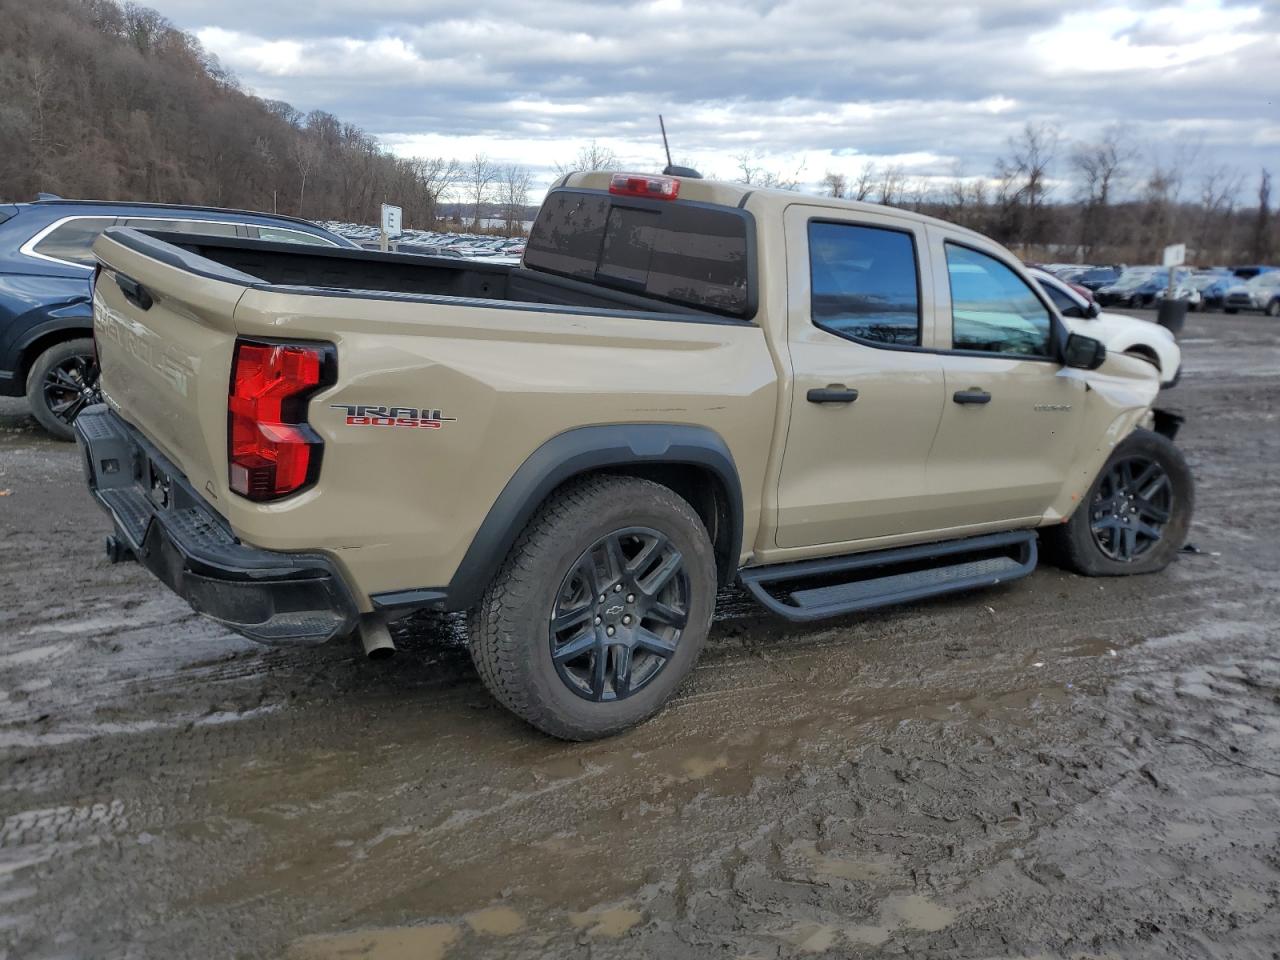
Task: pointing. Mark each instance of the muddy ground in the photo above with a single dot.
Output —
(1059, 767)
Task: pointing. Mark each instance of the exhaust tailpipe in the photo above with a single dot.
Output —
(375, 637)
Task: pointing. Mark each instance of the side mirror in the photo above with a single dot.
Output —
(1084, 353)
(1093, 310)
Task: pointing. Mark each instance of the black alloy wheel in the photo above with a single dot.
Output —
(1133, 503)
(69, 386)
(619, 614)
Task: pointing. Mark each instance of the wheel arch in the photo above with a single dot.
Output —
(693, 461)
(1146, 353)
(43, 337)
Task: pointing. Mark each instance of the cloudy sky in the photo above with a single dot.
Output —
(935, 86)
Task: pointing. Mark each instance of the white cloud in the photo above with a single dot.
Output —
(810, 85)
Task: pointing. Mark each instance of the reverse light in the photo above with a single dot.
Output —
(271, 451)
(644, 185)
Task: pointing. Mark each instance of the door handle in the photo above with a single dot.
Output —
(134, 292)
(972, 395)
(832, 393)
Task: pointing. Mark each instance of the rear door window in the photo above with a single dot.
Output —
(696, 255)
(864, 283)
(207, 228)
(71, 241)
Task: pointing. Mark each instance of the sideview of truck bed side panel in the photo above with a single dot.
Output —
(405, 501)
(437, 402)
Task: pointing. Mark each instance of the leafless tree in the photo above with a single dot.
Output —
(1219, 187)
(593, 156)
(305, 153)
(514, 191)
(862, 185)
(1022, 186)
(834, 184)
(1261, 243)
(434, 178)
(890, 185)
(1100, 168)
(480, 176)
(753, 172)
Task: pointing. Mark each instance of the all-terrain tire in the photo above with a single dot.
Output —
(1073, 544)
(72, 354)
(510, 628)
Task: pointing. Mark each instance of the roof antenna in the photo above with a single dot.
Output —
(671, 170)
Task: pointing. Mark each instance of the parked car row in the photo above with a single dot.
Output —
(436, 243)
(1230, 289)
(46, 265)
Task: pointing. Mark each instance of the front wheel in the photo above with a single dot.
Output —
(1136, 515)
(62, 382)
(600, 609)
(1273, 308)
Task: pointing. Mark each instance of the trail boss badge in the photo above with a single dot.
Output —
(365, 415)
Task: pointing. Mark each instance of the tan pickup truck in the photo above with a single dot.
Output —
(684, 384)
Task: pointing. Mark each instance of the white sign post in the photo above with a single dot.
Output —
(390, 224)
(1175, 255)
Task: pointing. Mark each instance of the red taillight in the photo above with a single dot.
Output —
(271, 450)
(644, 185)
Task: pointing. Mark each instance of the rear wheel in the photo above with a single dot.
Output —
(61, 383)
(600, 610)
(1136, 515)
(1273, 308)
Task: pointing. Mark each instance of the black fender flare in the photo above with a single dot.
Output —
(564, 456)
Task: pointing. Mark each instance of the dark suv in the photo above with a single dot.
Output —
(46, 319)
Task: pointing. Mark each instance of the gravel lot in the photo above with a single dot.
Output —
(1059, 767)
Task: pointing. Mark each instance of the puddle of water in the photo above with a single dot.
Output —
(606, 923)
(394, 943)
(861, 871)
(917, 912)
(495, 921)
(902, 910)
(696, 768)
(869, 935)
(813, 937)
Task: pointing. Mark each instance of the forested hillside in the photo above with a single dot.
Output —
(107, 100)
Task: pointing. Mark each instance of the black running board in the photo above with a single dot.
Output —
(994, 558)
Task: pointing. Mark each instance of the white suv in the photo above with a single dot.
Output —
(1120, 332)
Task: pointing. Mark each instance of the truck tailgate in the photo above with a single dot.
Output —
(163, 322)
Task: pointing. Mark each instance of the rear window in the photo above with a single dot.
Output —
(692, 254)
(71, 241)
(284, 235)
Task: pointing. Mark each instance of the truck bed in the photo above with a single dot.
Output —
(494, 358)
(334, 269)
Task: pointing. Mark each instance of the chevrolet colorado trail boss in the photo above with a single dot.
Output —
(684, 383)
